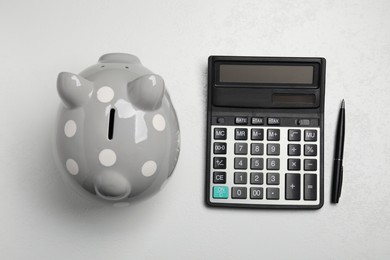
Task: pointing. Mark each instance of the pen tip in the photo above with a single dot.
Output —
(343, 104)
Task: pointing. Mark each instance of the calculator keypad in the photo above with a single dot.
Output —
(264, 164)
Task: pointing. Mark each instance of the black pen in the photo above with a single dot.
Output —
(338, 156)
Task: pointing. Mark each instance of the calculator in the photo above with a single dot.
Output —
(265, 132)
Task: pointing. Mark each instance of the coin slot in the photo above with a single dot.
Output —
(111, 124)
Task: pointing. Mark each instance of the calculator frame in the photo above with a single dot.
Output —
(268, 112)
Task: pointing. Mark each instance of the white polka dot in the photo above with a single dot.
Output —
(70, 128)
(72, 166)
(158, 122)
(105, 94)
(107, 157)
(149, 168)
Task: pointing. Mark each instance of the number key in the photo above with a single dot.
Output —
(240, 148)
(273, 179)
(240, 178)
(273, 164)
(256, 178)
(240, 163)
(257, 149)
(239, 192)
(273, 149)
(256, 193)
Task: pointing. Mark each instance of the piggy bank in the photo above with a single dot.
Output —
(117, 135)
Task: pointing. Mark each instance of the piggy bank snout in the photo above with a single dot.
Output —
(112, 186)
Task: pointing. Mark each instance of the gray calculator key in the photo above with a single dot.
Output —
(293, 186)
(240, 163)
(273, 134)
(257, 134)
(256, 193)
(257, 178)
(272, 193)
(257, 149)
(294, 149)
(220, 133)
(257, 121)
(310, 150)
(310, 164)
(239, 192)
(257, 163)
(273, 121)
(219, 162)
(273, 149)
(219, 148)
(219, 177)
(240, 148)
(310, 186)
(311, 135)
(240, 120)
(240, 178)
(294, 135)
(241, 134)
(273, 179)
(294, 164)
(273, 164)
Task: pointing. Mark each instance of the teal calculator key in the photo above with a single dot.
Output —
(220, 192)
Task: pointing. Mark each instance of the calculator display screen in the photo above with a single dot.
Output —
(265, 74)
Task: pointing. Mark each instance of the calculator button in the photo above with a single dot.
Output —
(273, 164)
(256, 193)
(239, 192)
(257, 134)
(293, 186)
(310, 186)
(240, 178)
(240, 163)
(219, 162)
(294, 164)
(272, 193)
(294, 135)
(219, 148)
(220, 133)
(273, 134)
(273, 179)
(219, 177)
(273, 121)
(241, 134)
(273, 149)
(257, 121)
(240, 148)
(241, 120)
(256, 178)
(257, 163)
(310, 149)
(257, 149)
(294, 149)
(310, 164)
(311, 135)
(220, 192)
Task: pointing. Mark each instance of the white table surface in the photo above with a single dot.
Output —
(40, 218)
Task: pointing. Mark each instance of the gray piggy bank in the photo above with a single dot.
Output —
(117, 134)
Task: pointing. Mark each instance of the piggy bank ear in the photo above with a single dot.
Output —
(146, 92)
(73, 89)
